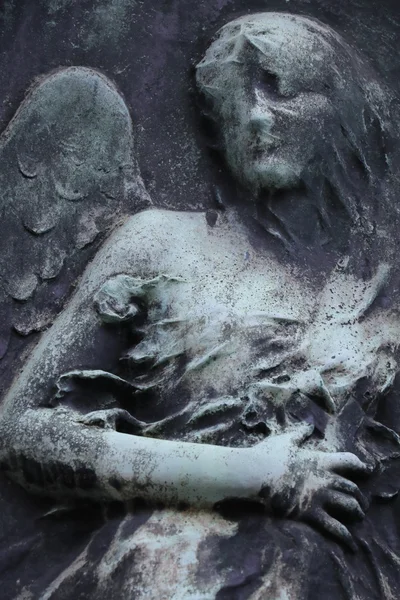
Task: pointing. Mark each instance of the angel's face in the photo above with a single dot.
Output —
(270, 139)
(271, 104)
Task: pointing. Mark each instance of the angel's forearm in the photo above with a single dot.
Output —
(47, 451)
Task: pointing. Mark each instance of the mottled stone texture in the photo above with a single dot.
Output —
(84, 164)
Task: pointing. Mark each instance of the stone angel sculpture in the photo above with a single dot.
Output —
(208, 357)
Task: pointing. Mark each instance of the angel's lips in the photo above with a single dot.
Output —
(263, 148)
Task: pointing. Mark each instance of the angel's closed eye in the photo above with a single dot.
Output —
(269, 84)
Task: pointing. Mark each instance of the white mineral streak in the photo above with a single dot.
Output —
(274, 588)
(166, 553)
(51, 592)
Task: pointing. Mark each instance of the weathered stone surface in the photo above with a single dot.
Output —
(180, 296)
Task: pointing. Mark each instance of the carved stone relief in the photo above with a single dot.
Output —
(225, 377)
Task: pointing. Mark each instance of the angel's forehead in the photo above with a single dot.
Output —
(290, 45)
(279, 25)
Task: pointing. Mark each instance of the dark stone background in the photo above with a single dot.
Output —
(148, 48)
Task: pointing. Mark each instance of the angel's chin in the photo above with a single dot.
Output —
(273, 173)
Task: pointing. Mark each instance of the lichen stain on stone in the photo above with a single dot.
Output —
(68, 173)
(107, 20)
(165, 556)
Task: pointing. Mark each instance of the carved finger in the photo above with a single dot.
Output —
(324, 521)
(341, 484)
(345, 462)
(114, 418)
(344, 503)
(301, 433)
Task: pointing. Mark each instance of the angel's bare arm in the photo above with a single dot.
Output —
(53, 450)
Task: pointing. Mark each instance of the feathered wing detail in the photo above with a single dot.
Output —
(67, 173)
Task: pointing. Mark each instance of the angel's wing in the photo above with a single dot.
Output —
(67, 173)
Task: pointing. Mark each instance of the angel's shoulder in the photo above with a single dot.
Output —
(163, 222)
(152, 229)
(137, 245)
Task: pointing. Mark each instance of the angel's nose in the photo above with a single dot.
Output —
(261, 118)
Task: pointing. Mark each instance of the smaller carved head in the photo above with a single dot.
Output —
(290, 99)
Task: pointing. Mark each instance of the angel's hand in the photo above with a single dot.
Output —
(315, 486)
